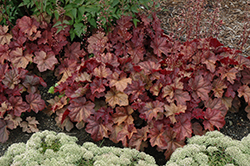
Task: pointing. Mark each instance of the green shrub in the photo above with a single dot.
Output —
(9, 11)
(84, 15)
(49, 148)
(212, 149)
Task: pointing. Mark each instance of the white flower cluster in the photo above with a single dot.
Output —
(69, 153)
(195, 152)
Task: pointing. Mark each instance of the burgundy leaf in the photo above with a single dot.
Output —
(35, 102)
(19, 106)
(45, 60)
(213, 117)
(74, 51)
(4, 133)
(80, 109)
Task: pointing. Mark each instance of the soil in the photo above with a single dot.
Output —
(237, 124)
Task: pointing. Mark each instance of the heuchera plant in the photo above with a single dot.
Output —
(18, 94)
(141, 85)
(29, 41)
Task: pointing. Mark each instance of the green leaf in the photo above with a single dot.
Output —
(51, 90)
(72, 34)
(66, 22)
(92, 22)
(56, 14)
(82, 10)
(115, 2)
(80, 29)
(73, 12)
(57, 23)
(135, 21)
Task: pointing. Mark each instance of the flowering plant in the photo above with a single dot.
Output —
(50, 148)
(213, 148)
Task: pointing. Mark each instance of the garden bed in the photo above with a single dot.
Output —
(237, 124)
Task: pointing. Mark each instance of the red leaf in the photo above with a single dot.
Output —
(29, 126)
(80, 92)
(114, 97)
(160, 46)
(96, 128)
(126, 133)
(74, 51)
(45, 60)
(123, 115)
(172, 110)
(149, 66)
(4, 36)
(5, 106)
(32, 82)
(3, 70)
(4, 133)
(218, 87)
(244, 90)
(65, 114)
(120, 81)
(152, 110)
(201, 87)
(172, 143)
(136, 53)
(183, 127)
(57, 103)
(102, 72)
(209, 59)
(214, 43)
(108, 58)
(137, 138)
(18, 105)
(213, 117)
(198, 129)
(80, 109)
(97, 43)
(4, 53)
(124, 22)
(67, 67)
(157, 136)
(229, 74)
(136, 88)
(12, 78)
(98, 85)
(27, 25)
(66, 123)
(35, 102)
(20, 59)
(217, 104)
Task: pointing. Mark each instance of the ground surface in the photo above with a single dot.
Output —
(237, 124)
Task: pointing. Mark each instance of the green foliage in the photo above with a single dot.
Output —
(55, 146)
(83, 15)
(211, 149)
(9, 11)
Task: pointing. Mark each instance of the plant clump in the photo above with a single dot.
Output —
(51, 148)
(213, 148)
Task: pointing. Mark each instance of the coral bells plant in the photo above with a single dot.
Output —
(18, 94)
(143, 87)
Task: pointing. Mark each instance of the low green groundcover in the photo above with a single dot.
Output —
(48, 148)
(212, 149)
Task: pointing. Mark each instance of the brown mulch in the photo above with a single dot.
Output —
(234, 14)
